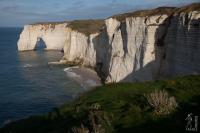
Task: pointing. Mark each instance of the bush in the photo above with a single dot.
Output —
(96, 121)
(161, 102)
(81, 129)
(87, 26)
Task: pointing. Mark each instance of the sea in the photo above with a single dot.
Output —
(28, 84)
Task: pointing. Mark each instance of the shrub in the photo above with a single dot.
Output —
(161, 102)
(97, 121)
(81, 129)
(87, 26)
(95, 106)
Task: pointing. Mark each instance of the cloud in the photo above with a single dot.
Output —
(79, 3)
(9, 8)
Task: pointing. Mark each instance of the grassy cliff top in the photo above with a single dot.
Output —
(158, 11)
(188, 8)
(92, 26)
(144, 13)
(120, 108)
(86, 26)
(49, 23)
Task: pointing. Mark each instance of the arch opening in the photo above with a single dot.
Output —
(40, 45)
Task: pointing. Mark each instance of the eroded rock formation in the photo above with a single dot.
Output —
(54, 36)
(137, 46)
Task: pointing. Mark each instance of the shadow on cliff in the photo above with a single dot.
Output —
(165, 64)
(151, 70)
(103, 54)
(104, 50)
(40, 45)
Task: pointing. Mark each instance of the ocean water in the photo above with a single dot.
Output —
(28, 85)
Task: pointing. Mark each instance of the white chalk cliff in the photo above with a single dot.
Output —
(137, 48)
(52, 35)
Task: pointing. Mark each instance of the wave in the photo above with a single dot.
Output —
(91, 82)
(70, 68)
(73, 75)
(84, 77)
(70, 73)
(27, 65)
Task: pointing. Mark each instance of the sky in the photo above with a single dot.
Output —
(16, 13)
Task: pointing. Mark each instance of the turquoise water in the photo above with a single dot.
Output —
(28, 85)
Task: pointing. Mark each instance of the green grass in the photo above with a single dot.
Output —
(158, 11)
(144, 13)
(50, 23)
(124, 105)
(189, 8)
(87, 26)
(91, 26)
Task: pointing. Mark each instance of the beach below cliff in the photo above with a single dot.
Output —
(28, 85)
(86, 77)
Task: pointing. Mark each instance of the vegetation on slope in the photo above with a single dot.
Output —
(49, 23)
(158, 11)
(144, 13)
(189, 8)
(84, 26)
(87, 26)
(119, 108)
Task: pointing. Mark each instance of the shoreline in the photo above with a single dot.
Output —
(86, 77)
(106, 103)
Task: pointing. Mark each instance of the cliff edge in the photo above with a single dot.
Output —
(138, 46)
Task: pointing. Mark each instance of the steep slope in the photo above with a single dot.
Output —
(122, 109)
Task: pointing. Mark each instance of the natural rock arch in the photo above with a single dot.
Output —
(54, 38)
(40, 44)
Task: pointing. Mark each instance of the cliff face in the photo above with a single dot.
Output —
(182, 45)
(52, 35)
(133, 46)
(141, 46)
